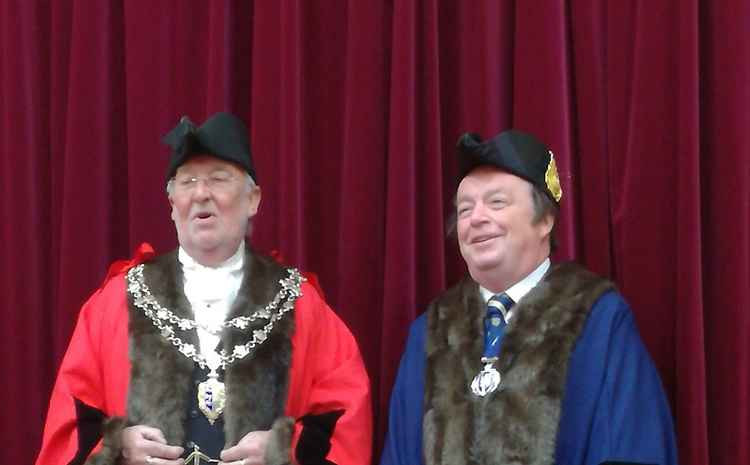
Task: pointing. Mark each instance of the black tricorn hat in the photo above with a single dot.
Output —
(516, 152)
(223, 136)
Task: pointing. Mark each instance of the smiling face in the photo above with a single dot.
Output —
(497, 235)
(211, 206)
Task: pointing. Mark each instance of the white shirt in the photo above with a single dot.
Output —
(211, 292)
(521, 288)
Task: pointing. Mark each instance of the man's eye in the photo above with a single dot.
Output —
(186, 181)
(220, 178)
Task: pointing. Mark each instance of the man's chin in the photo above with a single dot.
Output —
(487, 267)
(485, 261)
(205, 243)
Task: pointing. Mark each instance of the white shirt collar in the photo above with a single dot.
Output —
(522, 287)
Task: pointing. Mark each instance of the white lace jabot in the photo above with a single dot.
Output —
(211, 292)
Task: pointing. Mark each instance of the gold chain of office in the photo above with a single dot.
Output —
(168, 323)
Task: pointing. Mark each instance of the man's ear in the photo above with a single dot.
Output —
(173, 210)
(255, 196)
(546, 224)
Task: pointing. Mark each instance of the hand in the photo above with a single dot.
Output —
(251, 450)
(143, 445)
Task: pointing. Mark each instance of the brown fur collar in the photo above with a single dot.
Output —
(518, 423)
(256, 385)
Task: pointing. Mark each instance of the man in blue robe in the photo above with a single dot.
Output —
(523, 362)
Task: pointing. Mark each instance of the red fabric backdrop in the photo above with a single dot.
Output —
(354, 109)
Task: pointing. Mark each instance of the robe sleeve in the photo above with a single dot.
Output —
(329, 391)
(403, 444)
(615, 408)
(78, 407)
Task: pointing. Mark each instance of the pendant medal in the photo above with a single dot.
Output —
(486, 381)
(211, 397)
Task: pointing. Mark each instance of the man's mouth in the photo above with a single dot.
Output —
(483, 238)
(203, 215)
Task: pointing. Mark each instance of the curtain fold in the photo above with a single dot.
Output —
(725, 226)
(354, 109)
(686, 377)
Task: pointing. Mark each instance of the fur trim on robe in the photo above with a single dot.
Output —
(518, 423)
(256, 386)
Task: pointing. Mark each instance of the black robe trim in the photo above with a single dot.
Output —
(89, 421)
(315, 439)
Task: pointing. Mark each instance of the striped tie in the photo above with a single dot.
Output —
(498, 307)
(494, 323)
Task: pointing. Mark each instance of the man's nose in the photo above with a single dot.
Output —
(201, 190)
(478, 214)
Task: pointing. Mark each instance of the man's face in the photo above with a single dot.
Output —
(211, 214)
(496, 234)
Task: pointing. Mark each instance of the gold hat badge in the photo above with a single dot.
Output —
(552, 179)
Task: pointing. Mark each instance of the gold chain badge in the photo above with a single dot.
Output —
(552, 179)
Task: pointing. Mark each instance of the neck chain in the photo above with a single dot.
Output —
(211, 392)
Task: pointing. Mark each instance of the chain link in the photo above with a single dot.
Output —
(166, 321)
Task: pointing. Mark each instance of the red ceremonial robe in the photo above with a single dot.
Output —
(308, 373)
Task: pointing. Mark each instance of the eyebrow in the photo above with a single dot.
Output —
(498, 190)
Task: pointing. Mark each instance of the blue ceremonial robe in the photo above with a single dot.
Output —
(613, 409)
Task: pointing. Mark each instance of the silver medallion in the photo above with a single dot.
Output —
(486, 381)
(211, 398)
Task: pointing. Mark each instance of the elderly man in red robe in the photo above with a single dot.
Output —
(211, 353)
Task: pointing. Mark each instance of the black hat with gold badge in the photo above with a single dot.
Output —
(514, 151)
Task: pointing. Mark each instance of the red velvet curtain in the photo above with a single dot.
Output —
(354, 109)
